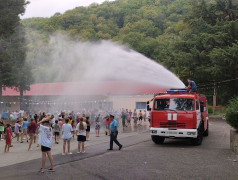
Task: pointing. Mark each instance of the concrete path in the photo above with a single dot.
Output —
(19, 152)
(139, 159)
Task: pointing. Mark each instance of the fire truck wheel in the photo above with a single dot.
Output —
(158, 139)
(197, 141)
(206, 132)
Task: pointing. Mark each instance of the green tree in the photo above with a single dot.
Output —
(9, 21)
(208, 49)
(21, 71)
(196, 39)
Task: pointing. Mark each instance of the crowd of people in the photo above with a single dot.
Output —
(137, 117)
(27, 127)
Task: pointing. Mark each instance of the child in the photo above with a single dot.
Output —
(31, 130)
(108, 121)
(88, 127)
(128, 118)
(60, 123)
(144, 115)
(57, 132)
(67, 135)
(97, 126)
(2, 129)
(8, 138)
(140, 118)
(24, 130)
(45, 140)
(135, 117)
(17, 129)
(12, 131)
(74, 128)
(81, 132)
(123, 118)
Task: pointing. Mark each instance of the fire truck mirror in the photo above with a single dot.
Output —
(148, 108)
(201, 106)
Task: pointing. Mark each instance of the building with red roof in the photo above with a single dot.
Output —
(113, 94)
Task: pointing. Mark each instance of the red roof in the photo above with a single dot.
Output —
(88, 88)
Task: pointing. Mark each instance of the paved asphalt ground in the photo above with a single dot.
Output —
(140, 158)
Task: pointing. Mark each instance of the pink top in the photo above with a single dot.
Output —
(60, 123)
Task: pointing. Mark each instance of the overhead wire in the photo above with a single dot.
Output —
(217, 82)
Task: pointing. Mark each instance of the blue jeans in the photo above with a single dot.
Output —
(193, 90)
(114, 138)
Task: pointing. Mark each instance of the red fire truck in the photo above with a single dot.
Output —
(179, 114)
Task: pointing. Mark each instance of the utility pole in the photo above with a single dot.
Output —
(214, 98)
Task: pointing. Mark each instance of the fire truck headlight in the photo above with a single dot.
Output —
(191, 133)
(154, 131)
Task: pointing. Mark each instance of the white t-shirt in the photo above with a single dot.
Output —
(21, 112)
(15, 114)
(81, 132)
(67, 129)
(45, 136)
(52, 122)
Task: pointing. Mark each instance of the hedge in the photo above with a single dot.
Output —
(232, 113)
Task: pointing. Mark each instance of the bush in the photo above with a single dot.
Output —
(210, 110)
(232, 113)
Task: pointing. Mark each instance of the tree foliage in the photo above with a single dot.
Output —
(196, 39)
(210, 47)
(232, 113)
(12, 43)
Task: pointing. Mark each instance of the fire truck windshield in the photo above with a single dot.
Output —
(174, 104)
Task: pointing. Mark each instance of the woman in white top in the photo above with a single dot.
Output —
(81, 133)
(67, 135)
(45, 140)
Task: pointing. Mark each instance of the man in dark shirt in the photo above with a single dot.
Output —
(192, 87)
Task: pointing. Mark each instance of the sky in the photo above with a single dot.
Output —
(47, 8)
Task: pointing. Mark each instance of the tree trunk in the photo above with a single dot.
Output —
(21, 98)
(1, 108)
(0, 92)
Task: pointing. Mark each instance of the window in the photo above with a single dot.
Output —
(140, 105)
(197, 105)
(173, 104)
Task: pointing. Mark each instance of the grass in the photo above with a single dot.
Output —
(220, 111)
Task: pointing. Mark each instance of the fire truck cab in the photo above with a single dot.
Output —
(179, 114)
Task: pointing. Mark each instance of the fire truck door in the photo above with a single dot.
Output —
(198, 112)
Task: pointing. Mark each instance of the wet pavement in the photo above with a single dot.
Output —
(139, 159)
(19, 153)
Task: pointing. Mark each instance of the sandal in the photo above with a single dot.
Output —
(51, 170)
(42, 171)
